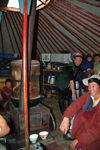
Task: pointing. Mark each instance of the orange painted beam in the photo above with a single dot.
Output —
(24, 67)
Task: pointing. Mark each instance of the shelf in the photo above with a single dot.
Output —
(52, 94)
(45, 78)
(54, 70)
(49, 84)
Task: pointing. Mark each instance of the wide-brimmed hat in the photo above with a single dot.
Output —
(85, 81)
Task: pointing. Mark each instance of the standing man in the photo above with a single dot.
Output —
(65, 81)
(86, 114)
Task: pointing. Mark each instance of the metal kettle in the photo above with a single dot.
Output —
(39, 146)
(52, 80)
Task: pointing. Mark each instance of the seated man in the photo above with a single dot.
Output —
(5, 94)
(86, 112)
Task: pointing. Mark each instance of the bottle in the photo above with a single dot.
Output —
(51, 65)
(76, 85)
(77, 89)
(49, 77)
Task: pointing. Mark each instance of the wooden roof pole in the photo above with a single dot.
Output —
(9, 9)
(24, 67)
(32, 17)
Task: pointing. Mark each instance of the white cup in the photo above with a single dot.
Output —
(33, 138)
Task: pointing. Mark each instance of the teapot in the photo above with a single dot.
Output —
(39, 146)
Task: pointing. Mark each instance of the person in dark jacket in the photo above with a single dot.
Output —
(88, 65)
(65, 81)
(85, 113)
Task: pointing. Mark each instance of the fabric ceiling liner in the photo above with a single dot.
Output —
(64, 26)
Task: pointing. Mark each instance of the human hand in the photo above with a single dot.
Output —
(73, 96)
(69, 86)
(92, 71)
(64, 127)
(4, 105)
(73, 144)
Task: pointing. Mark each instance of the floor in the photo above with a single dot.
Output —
(57, 134)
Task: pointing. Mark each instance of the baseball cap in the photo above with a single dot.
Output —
(77, 55)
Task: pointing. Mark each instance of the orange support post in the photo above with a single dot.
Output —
(24, 67)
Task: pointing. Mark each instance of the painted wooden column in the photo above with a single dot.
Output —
(24, 68)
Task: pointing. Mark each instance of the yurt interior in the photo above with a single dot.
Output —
(38, 39)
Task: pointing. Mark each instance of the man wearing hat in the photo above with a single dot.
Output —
(65, 81)
(86, 124)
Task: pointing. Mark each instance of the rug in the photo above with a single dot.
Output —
(53, 146)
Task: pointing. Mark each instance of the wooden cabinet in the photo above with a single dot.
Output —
(47, 86)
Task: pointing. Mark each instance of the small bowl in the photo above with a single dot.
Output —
(53, 68)
(43, 134)
(33, 138)
(53, 91)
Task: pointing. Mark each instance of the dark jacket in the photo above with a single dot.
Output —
(68, 73)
